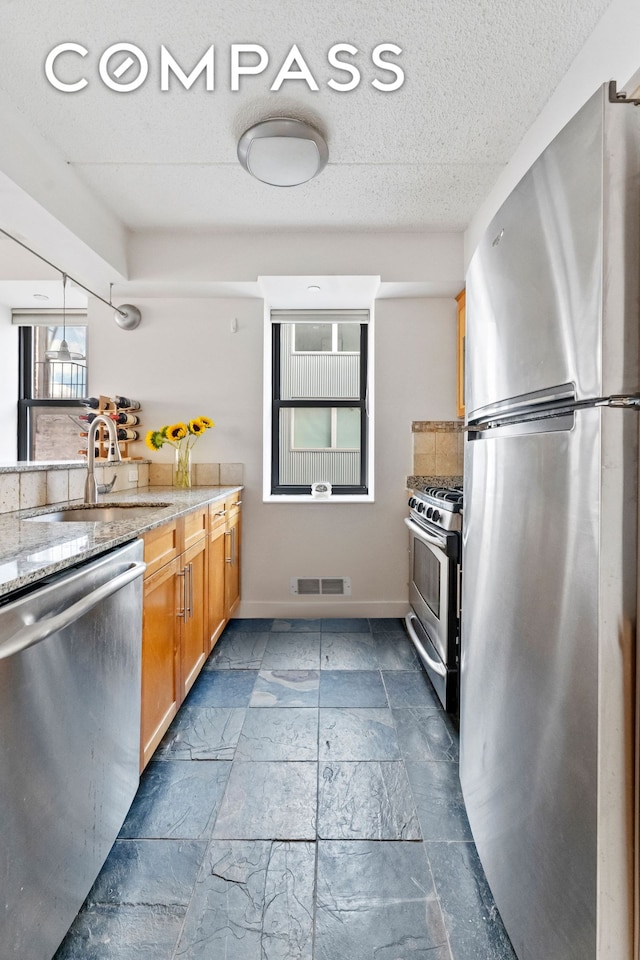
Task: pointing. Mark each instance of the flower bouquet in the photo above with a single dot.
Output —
(182, 437)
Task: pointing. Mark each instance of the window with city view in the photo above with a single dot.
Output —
(53, 379)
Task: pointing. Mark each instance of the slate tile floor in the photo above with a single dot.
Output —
(304, 805)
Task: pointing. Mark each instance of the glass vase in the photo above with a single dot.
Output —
(182, 473)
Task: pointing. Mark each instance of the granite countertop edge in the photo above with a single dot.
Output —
(31, 551)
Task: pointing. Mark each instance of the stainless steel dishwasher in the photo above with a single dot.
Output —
(70, 654)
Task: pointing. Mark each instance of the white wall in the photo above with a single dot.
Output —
(612, 52)
(8, 387)
(184, 361)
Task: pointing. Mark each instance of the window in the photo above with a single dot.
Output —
(50, 386)
(319, 401)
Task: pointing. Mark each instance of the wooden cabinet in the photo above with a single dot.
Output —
(232, 557)
(217, 570)
(462, 324)
(161, 695)
(224, 563)
(192, 584)
(193, 615)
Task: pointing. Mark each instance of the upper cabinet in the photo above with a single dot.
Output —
(461, 301)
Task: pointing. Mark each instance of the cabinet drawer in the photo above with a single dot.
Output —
(233, 505)
(217, 515)
(160, 546)
(195, 526)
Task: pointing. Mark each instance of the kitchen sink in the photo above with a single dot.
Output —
(100, 512)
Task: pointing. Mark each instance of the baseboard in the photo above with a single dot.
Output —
(305, 608)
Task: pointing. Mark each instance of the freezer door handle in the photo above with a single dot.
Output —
(33, 633)
(438, 668)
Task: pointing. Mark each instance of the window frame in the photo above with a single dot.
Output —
(26, 401)
(273, 489)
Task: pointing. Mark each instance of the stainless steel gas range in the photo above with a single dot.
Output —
(433, 622)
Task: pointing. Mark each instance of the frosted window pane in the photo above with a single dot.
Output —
(349, 337)
(348, 428)
(312, 428)
(312, 336)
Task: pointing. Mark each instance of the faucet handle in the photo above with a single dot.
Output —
(107, 487)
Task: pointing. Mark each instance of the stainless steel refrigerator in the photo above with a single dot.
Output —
(550, 543)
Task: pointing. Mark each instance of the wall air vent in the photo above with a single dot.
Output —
(321, 586)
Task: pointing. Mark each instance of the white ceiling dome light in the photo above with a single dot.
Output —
(283, 152)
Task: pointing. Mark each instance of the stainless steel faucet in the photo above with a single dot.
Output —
(91, 488)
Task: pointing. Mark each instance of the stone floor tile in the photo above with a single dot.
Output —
(149, 872)
(238, 651)
(345, 625)
(279, 733)
(253, 901)
(292, 651)
(246, 625)
(365, 800)
(391, 626)
(409, 688)
(352, 688)
(438, 796)
(202, 733)
(269, 800)
(222, 688)
(286, 688)
(360, 733)
(177, 798)
(395, 652)
(348, 651)
(122, 931)
(425, 733)
(377, 900)
(472, 920)
(297, 625)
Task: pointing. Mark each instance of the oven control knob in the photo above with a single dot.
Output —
(429, 512)
(412, 501)
(420, 507)
(436, 516)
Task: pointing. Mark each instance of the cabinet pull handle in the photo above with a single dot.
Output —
(221, 513)
(191, 589)
(182, 614)
(228, 559)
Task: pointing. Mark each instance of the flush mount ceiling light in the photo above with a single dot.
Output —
(282, 152)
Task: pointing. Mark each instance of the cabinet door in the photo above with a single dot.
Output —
(232, 564)
(194, 646)
(217, 602)
(160, 679)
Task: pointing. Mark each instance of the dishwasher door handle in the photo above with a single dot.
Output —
(33, 633)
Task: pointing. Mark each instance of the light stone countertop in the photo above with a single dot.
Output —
(30, 551)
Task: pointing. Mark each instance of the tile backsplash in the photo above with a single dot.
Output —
(438, 448)
(25, 486)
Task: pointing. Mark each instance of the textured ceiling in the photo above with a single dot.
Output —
(423, 157)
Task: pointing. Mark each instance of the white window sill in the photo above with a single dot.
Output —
(307, 498)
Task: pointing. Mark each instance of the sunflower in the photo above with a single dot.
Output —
(196, 427)
(155, 439)
(176, 432)
(206, 422)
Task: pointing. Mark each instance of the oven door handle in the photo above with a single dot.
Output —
(424, 534)
(434, 665)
